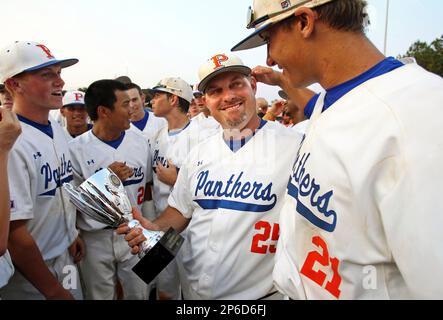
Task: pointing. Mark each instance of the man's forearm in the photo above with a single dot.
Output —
(171, 217)
(28, 260)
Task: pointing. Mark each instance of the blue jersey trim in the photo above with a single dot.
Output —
(334, 94)
(141, 124)
(132, 182)
(305, 212)
(45, 128)
(176, 132)
(236, 145)
(233, 205)
(59, 184)
(115, 143)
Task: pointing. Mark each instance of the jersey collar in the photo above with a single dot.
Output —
(45, 128)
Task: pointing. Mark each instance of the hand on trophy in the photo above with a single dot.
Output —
(103, 198)
(122, 171)
(135, 236)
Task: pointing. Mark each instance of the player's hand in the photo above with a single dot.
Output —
(121, 170)
(135, 236)
(10, 129)
(167, 175)
(77, 249)
(268, 76)
(277, 107)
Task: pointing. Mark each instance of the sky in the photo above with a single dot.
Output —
(148, 40)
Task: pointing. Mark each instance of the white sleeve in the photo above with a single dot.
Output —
(76, 167)
(19, 176)
(412, 215)
(180, 197)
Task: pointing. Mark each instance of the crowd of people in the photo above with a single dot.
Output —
(329, 195)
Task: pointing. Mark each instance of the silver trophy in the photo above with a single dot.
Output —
(103, 198)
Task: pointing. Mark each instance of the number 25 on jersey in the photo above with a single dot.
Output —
(266, 239)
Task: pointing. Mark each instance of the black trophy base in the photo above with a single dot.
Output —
(156, 259)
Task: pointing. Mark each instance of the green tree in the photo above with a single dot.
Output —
(429, 56)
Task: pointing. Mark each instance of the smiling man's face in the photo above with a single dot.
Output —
(231, 99)
(43, 88)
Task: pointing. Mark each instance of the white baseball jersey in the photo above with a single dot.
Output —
(174, 146)
(38, 165)
(150, 125)
(234, 201)
(206, 122)
(301, 127)
(362, 219)
(57, 116)
(6, 269)
(90, 154)
(68, 135)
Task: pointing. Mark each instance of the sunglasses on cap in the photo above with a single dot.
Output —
(251, 23)
(162, 86)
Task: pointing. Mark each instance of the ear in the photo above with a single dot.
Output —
(13, 86)
(143, 97)
(174, 100)
(253, 82)
(62, 111)
(102, 112)
(306, 21)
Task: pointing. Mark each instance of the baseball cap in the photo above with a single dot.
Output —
(218, 64)
(195, 91)
(266, 13)
(24, 56)
(175, 86)
(73, 98)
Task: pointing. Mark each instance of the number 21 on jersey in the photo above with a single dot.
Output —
(322, 257)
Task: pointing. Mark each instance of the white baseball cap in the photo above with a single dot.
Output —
(218, 64)
(23, 56)
(195, 91)
(73, 98)
(266, 13)
(175, 86)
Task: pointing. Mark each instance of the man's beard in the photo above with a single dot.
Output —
(237, 123)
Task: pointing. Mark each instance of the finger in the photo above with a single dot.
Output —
(159, 164)
(137, 240)
(123, 229)
(170, 163)
(132, 234)
(135, 250)
(136, 214)
(129, 171)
